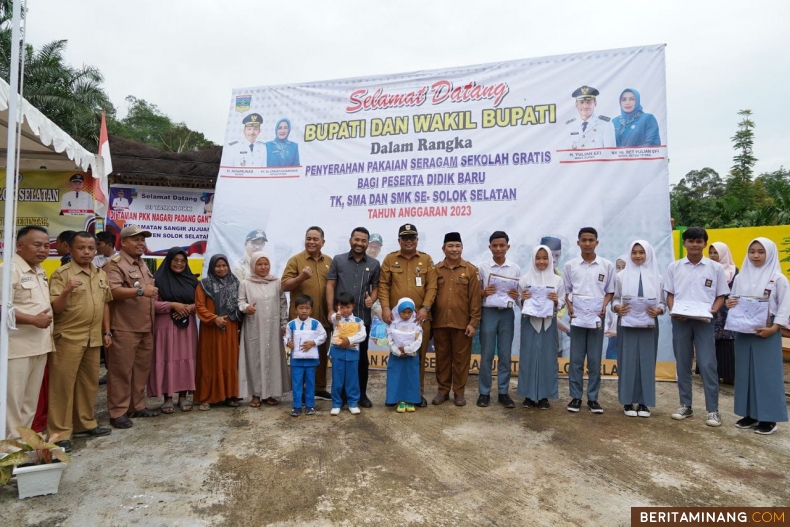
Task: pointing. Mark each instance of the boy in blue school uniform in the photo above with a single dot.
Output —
(698, 279)
(348, 332)
(308, 334)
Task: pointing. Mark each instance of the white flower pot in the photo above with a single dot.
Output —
(38, 480)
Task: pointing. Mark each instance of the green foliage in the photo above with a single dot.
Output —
(145, 123)
(703, 199)
(32, 448)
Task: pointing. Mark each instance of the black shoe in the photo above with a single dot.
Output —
(505, 400)
(390, 405)
(528, 403)
(765, 428)
(483, 400)
(145, 412)
(543, 404)
(96, 432)
(746, 422)
(323, 395)
(296, 412)
(65, 445)
(594, 407)
(575, 405)
(102, 380)
(121, 422)
(423, 402)
(364, 402)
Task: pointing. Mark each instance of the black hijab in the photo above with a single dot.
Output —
(224, 291)
(175, 287)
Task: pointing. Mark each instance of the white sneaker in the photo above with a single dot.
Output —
(643, 411)
(714, 419)
(334, 411)
(628, 409)
(683, 412)
(354, 410)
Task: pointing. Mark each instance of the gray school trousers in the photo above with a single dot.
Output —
(585, 343)
(687, 336)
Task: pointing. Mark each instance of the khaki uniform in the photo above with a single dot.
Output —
(28, 346)
(458, 305)
(315, 288)
(74, 367)
(132, 321)
(398, 280)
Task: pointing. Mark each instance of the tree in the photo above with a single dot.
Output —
(739, 182)
(694, 200)
(147, 124)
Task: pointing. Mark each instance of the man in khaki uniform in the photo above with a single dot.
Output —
(29, 345)
(80, 295)
(456, 315)
(132, 322)
(409, 273)
(305, 274)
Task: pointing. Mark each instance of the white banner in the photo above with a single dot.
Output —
(536, 147)
(176, 217)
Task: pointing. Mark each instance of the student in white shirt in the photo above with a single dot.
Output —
(592, 276)
(759, 382)
(697, 279)
(498, 321)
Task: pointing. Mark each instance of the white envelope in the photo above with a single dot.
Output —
(300, 336)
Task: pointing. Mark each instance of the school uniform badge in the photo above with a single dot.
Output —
(601, 278)
(243, 103)
(708, 282)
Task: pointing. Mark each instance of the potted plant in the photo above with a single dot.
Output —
(36, 461)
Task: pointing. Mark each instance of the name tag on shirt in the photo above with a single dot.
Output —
(418, 281)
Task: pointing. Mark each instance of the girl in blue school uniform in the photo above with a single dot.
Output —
(759, 382)
(403, 367)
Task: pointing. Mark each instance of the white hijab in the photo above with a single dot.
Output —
(725, 259)
(651, 278)
(398, 323)
(546, 277)
(753, 280)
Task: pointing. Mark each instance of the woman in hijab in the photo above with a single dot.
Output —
(281, 152)
(175, 332)
(638, 346)
(725, 344)
(759, 381)
(610, 324)
(263, 372)
(216, 304)
(538, 367)
(633, 127)
(403, 368)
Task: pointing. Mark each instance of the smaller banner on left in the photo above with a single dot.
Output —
(176, 217)
(57, 201)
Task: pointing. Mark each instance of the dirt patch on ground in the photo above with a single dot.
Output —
(439, 466)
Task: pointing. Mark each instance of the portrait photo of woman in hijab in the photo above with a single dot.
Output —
(281, 152)
(634, 127)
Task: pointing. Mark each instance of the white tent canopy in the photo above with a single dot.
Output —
(44, 146)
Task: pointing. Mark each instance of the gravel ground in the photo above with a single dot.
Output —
(442, 465)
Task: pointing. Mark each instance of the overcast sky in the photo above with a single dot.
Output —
(186, 56)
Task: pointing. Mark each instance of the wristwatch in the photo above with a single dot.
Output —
(426, 308)
(107, 334)
(140, 291)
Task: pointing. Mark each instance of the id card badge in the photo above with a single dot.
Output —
(418, 281)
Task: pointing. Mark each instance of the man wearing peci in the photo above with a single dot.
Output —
(250, 152)
(409, 273)
(589, 130)
(356, 273)
(77, 202)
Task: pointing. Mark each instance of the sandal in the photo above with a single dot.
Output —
(185, 405)
(145, 412)
(167, 408)
(233, 403)
(271, 401)
(255, 403)
(204, 407)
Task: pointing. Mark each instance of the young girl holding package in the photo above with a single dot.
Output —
(403, 368)
(759, 383)
(263, 372)
(538, 367)
(637, 346)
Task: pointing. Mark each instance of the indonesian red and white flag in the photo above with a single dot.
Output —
(102, 189)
